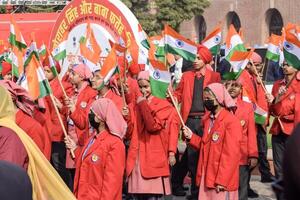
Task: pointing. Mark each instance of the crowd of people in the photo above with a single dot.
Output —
(122, 142)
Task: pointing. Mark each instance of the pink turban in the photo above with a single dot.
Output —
(222, 95)
(83, 70)
(204, 54)
(256, 58)
(108, 112)
(144, 75)
(19, 96)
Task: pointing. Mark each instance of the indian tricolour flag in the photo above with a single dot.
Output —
(15, 36)
(15, 58)
(260, 115)
(160, 79)
(60, 52)
(42, 51)
(291, 48)
(34, 80)
(109, 67)
(143, 38)
(273, 51)
(177, 44)
(233, 43)
(49, 61)
(213, 40)
(238, 61)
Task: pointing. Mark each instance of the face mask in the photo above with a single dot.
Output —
(210, 105)
(92, 121)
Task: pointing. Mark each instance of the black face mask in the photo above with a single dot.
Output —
(209, 105)
(92, 121)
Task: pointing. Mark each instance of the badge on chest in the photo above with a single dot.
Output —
(215, 136)
(83, 104)
(95, 158)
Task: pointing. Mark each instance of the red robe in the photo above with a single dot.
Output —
(80, 115)
(219, 152)
(134, 91)
(56, 131)
(99, 175)
(156, 135)
(35, 131)
(184, 91)
(245, 114)
(12, 148)
(287, 108)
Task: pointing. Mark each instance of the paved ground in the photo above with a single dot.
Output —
(263, 189)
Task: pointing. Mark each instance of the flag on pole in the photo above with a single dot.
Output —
(90, 49)
(60, 52)
(291, 47)
(109, 67)
(42, 51)
(213, 40)
(238, 61)
(15, 36)
(273, 51)
(15, 58)
(49, 61)
(233, 43)
(260, 115)
(160, 79)
(143, 38)
(34, 80)
(179, 45)
(31, 50)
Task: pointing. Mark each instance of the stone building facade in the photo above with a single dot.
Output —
(258, 19)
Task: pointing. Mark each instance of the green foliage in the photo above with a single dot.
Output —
(153, 14)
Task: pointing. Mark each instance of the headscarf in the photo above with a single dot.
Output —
(107, 111)
(46, 183)
(19, 96)
(14, 182)
(204, 54)
(256, 58)
(83, 70)
(6, 68)
(222, 95)
(144, 75)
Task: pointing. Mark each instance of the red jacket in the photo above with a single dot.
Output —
(155, 136)
(56, 131)
(115, 98)
(245, 114)
(184, 91)
(254, 90)
(286, 109)
(35, 131)
(219, 152)
(80, 115)
(99, 174)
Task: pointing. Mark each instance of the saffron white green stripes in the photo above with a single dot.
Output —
(60, 52)
(159, 81)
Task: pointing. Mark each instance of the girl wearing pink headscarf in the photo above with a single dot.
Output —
(78, 109)
(101, 162)
(153, 145)
(218, 165)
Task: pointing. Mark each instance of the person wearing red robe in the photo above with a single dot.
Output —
(219, 147)
(79, 106)
(249, 153)
(153, 145)
(101, 162)
(11, 147)
(250, 79)
(189, 94)
(284, 107)
(58, 153)
(24, 116)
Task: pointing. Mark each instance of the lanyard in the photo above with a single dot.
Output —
(88, 147)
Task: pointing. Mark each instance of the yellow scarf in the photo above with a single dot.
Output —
(46, 183)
